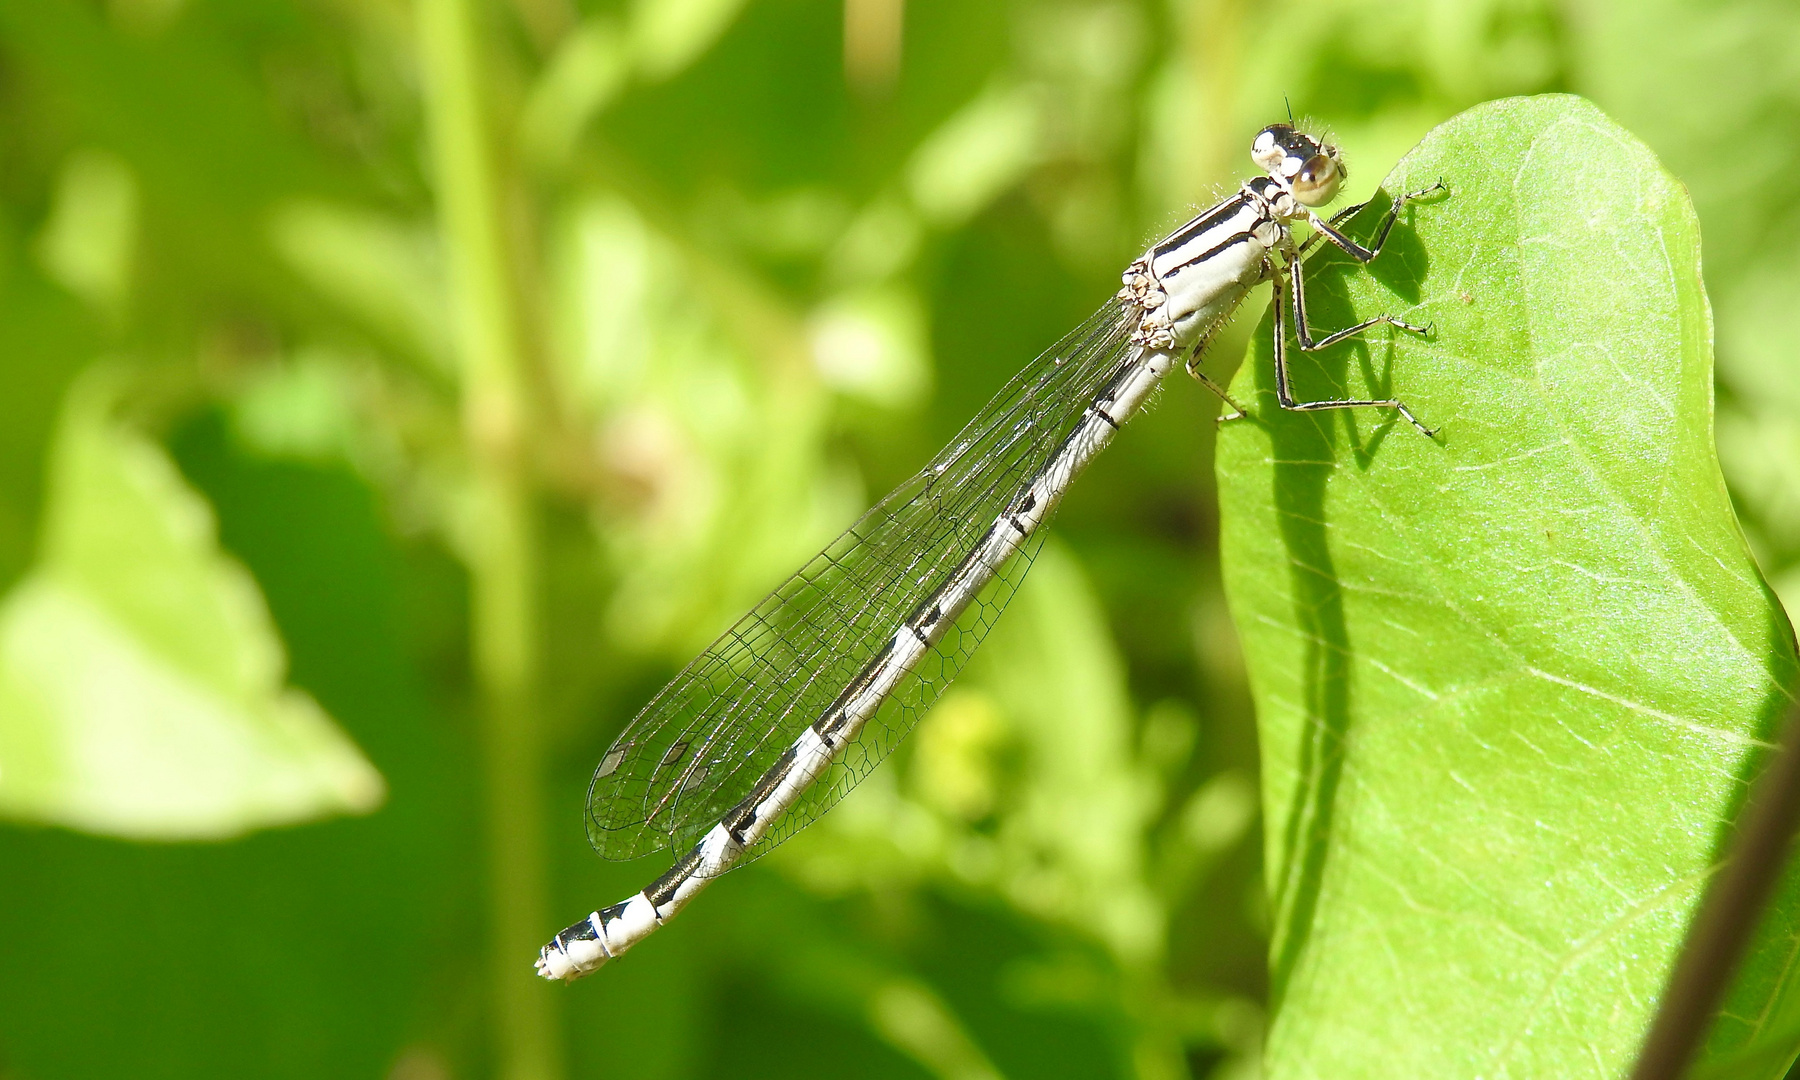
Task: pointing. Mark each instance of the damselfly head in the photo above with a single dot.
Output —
(1308, 167)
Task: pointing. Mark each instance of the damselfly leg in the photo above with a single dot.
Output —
(1291, 279)
(1282, 392)
(1193, 368)
(1328, 230)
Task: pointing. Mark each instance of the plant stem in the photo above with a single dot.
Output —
(1728, 917)
(499, 535)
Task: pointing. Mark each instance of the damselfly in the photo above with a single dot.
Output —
(794, 704)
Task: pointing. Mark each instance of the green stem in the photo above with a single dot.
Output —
(500, 540)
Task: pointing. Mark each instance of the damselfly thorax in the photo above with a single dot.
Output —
(794, 704)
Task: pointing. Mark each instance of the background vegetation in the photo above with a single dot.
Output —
(395, 394)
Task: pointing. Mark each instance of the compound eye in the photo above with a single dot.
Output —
(1317, 181)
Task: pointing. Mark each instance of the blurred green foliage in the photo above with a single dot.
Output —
(767, 256)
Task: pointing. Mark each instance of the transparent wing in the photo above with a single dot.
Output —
(699, 746)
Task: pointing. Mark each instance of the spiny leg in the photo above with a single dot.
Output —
(1285, 395)
(1193, 368)
(1327, 230)
(1341, 216)
(1303, 332)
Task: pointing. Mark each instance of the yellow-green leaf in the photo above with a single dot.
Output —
(141, 678)
(1511, 683)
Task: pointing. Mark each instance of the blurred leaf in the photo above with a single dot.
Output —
(667, 35)
(140, 678)
(200, 988)
(917, 1022)
(1760, 449)
(871, 344)
(1216, 817)
(1510, 683)
(88, 243)
(954, 752)
(305, 408)
(715, 457)
(787, 226)
(380, 270)
(977, 154)
(589, 68)
(882, 240)
(616, 280)
(192, 109)
(145, 16)
(1077, 836)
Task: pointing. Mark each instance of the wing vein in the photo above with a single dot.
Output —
(817, 641)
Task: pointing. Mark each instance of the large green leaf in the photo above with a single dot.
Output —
(140, 676)
(1511, 683)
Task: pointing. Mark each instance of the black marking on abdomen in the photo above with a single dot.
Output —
(662, 890)
(581, 931)
(739, 817)
(828, 727)
(836, 716)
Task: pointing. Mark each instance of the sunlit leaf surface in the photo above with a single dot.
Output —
(1510, 683)
(140, 678)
